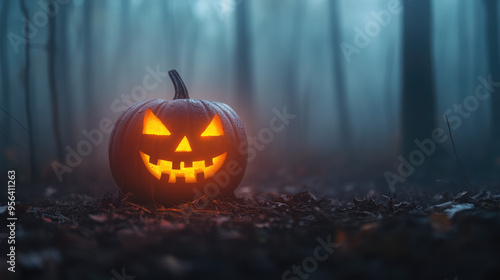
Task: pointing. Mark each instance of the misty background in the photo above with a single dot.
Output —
(365, 78)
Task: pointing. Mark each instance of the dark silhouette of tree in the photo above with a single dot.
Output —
(125, 30)
(171, 38)
(463, 49)
(340, 92)
(64, 77)
(190, 52)
(291, 86)
(493, 48)
(88, 76)
(51, 48)
(418, 104)
(305, 119)
(391, 59)
(5, 78)
(243, 53)
(4, 66)
(27, 85)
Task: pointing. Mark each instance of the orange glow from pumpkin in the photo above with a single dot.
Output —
(184, 146)
(214, 128)
(189, 173)
(152, 125)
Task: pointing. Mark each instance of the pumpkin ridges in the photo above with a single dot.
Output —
(129, 138)
(128, 123)
(212, 109)
(234, 116)
(222, 115)
(183, 117)
(121, 127)
(207, 110)
(238, 133)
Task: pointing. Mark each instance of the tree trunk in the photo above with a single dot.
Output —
(51, 48)
(27, 84)
(390, 115)
(418, 104)
(291, 86)
(4, 66)
(243, 53)
(5, 89)
(87, 54)
(340, 94)
(171, 38)
(493, 48)
(192, 38)
(64, 73)
(123, 58)
(463, 49)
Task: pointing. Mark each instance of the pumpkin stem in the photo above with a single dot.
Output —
(181, 91)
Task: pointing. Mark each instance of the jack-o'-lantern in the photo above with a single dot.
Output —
(173, 151)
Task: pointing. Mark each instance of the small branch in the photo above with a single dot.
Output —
(14, 119)
(138, 206)
(14, 141)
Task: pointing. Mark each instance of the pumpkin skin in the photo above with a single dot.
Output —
(175, 151)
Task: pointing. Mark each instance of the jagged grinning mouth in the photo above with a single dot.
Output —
(188, 173)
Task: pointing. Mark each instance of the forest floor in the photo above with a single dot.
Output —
(443, 235)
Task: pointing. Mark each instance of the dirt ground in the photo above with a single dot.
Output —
(440, 235)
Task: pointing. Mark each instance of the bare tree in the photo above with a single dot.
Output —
(171, 38)
(463, 47)
(340, 93)
(27, 84)
(4, 70)
(291, 86)
(493, 47)
(192, 39)
(418, 108)
(4, 65)
(243, 53)
(51, 48)
(124, 31)
(64, 75)
(390, 113)
(87, 53)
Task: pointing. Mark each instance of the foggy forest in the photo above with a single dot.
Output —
(338, 66)
(350, 99)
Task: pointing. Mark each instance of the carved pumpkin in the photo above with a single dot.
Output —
(173, 151)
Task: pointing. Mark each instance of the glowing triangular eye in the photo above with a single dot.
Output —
(214, 128)
(152, 125)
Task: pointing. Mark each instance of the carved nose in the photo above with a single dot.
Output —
(184, 146)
